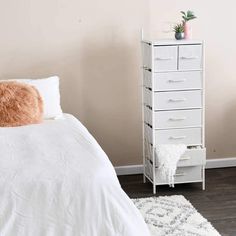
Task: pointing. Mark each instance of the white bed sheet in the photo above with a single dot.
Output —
(55, 180)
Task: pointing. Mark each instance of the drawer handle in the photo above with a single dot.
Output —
(177, 137)
(180, 174)
(184, 158)
(164, 58)
(189, 58)
(177, 119)
(176, 81)
(177, 99)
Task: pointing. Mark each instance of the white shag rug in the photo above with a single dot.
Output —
(173, 216)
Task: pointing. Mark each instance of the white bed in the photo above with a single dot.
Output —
(55, 180)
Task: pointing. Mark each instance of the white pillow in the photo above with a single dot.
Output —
(50, 93)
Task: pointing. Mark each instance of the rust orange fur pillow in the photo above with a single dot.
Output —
(20, 104)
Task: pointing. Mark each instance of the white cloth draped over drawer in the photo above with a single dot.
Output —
(168, 156)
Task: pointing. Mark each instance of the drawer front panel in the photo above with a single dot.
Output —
(190, 136)
(193, 157)
(177, 81)
(190, 57)
(165, 58)
(177, 100)
(183, 174)
(176, 119)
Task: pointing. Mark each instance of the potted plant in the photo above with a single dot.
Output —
(187, 16)
(179, 31)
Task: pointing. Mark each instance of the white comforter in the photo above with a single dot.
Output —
(55, 180)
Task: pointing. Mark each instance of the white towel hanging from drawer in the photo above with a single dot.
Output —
(168, 156)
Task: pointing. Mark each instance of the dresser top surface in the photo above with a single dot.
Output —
(166, 42)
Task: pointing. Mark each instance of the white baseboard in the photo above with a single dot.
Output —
(129, 170)
(211, 163)
(221, 163)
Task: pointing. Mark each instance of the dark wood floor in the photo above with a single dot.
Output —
(217, 203)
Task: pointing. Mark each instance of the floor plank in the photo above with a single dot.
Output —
(217, 203)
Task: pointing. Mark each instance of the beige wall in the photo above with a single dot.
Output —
(94, 47)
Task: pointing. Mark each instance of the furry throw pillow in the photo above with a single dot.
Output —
(20, 104)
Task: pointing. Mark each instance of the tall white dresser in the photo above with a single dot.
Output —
(173, 107)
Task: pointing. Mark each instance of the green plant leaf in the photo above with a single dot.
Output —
(189, 12)
(187, 16)
(183, 13)
(178, 28)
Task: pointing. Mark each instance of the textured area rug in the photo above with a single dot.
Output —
(173, 216)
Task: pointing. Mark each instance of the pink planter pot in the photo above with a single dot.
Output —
(187, 31)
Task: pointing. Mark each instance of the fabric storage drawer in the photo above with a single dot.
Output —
(176, 80)
(175, 119)
(190, 57)
(192, 157)
(188, 174)
(148, 133)
(148, 115)
(147, 55)
(147, 97)
(183, 174)
(190, 136)
(177, 100)
(147, 79)
(165, 58)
